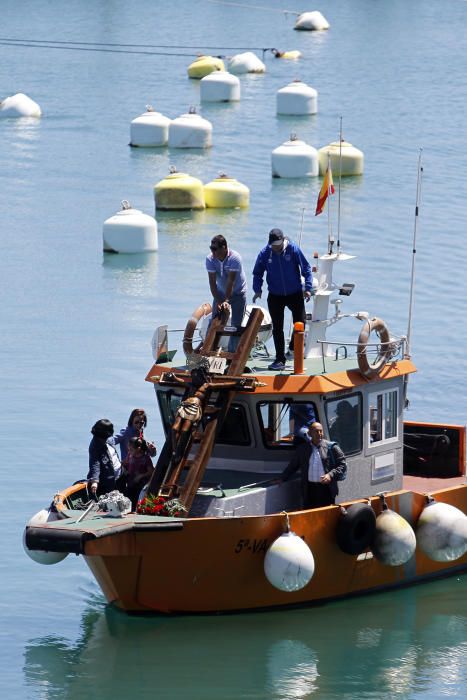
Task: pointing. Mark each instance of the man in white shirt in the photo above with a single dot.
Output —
(322, 464)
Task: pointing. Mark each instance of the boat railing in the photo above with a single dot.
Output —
(393, 349)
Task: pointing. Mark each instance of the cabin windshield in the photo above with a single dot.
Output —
(283, 423)
(234, 430)
(344, 418)
(169, 401)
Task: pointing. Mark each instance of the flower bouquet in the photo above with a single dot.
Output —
(161, 505)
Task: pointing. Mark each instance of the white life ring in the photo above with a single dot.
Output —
(190, 327)
(384, 351)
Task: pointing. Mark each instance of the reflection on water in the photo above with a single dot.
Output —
(135, 275)
(387, 645)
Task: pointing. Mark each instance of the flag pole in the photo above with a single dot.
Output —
(414, 250)
(339, 191)
(299, 245)
(330, 236)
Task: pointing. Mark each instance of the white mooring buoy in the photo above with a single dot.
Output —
(130, 231)
(294, 158)
(220, 87)
(190, 130)
(150, 129)
(18, 106)
(297, 98)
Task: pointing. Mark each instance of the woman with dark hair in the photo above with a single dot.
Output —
(104, 463)
(137, 468)
(136, 424)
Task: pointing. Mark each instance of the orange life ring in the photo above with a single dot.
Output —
(371, 369)
(198, 313)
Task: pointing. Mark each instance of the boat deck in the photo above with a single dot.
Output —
(423, 484)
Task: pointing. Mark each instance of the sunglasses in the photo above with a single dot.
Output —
(214, 248)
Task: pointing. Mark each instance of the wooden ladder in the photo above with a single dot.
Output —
(200, 443)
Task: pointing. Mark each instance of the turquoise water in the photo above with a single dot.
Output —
(77, 324)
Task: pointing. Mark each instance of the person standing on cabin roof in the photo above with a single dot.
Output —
(284, 264)
(322, 464)
(227, 282)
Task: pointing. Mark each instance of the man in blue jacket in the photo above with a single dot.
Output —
(284, 264)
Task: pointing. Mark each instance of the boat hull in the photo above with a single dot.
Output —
(217, 564)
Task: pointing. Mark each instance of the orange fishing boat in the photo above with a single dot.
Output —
(228, 534)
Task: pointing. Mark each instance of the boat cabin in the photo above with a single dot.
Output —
(258, 436)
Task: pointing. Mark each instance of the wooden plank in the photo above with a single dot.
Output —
(196, 473)
(171, 473)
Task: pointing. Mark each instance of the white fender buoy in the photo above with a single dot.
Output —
(394, 540)
(41, 556)
(204, 65)
(311, 22)
(293, 159)
(345, 159)
(19, 105)
(297, 98)
(179, 191)
(442, 532)
(220, 87)
(226, 193)
(190, 131)
(247, 62)
(264, 332)
(289, 564)
(150, 129)
(130, 231)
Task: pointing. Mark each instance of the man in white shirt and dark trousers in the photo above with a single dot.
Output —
(322, 465)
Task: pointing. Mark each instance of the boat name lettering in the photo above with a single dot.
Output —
(253, 546)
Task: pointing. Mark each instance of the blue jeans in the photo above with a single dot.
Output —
(238, 304)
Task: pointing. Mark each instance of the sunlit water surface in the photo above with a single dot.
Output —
(77, 324)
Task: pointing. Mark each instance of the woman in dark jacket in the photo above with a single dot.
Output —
(104, 463)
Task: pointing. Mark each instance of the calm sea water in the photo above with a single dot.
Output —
(76, 325)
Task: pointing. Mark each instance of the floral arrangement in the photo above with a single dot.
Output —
(161, 505)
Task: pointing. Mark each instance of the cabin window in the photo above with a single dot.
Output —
(344, 417)
(234, 430)
(169, 401)
(383, 415)
(283, 423)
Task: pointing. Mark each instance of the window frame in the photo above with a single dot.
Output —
(289, 446)
(164, 398)
(377, 398)
(343, 397)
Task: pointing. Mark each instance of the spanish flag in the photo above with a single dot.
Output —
(326, 188)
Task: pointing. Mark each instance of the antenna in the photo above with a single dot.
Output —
(339, 190)
(414, 250)
(301, 228)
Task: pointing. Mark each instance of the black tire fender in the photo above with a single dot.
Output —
(356, 528)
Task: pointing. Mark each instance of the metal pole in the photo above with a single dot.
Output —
(330, 237)
(299, 245)
(301, 229)
(339, 190)
(414, 250)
